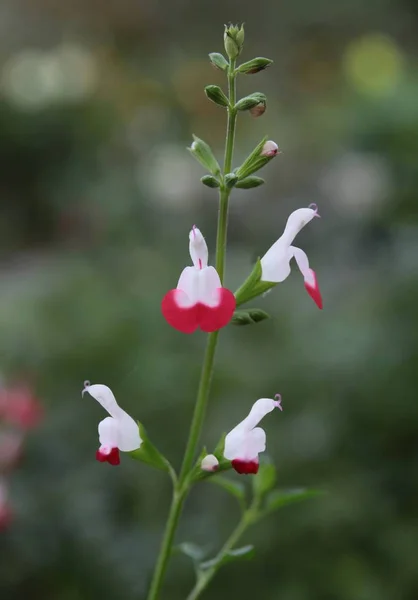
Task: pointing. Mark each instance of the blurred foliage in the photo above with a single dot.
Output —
(98, 103)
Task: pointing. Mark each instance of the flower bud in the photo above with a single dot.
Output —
(233, 40)
(258, 110)
(251, 101)
(230, 180)
(249, 316)
(270, 149)
(214, 93)
(218, 61)
(249, 182)
(210, 463)
(254, 66)
(210, 181)
(203, 153)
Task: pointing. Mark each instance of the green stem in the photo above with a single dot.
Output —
(206, 576)
(182, 488)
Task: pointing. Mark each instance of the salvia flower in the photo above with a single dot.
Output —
(244, 443)
(275, 264)
(119, 432)
(270, 148)
(199, 299)
(209, 463)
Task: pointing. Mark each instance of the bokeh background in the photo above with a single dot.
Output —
(98, 101)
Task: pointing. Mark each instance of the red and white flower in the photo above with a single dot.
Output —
(199, 299)
(119, 432)
(275, 264)
(244, 443)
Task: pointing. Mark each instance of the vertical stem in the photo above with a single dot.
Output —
(181, 490)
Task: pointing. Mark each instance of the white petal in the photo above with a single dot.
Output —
(209, 463)
(259, 410)
(275, 265)
(129, 438)
(209, 283)
(198, 248)
(109, 432)
(189, 284)
(105, 397)
(303, 263)
(296, 221)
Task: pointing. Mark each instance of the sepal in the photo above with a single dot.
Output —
(230, 180)
(249, 316)
(218, 61)
(253, 286)
(233, 40)
(149, 454)
(216, 95)
(203, 154)
(254, 66)
(249, 183)
(255, 161)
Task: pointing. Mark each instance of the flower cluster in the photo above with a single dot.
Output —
(20, 411)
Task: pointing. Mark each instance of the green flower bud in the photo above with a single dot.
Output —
(249, 316)
(203, 153)
(254, 66)
(218, 61)
(262, 154)
(233, 40)
(214, 93)
(249, 182)
(230, 180)
(210, 181)
(251, 101)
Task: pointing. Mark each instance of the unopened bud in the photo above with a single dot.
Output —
(251, 101)
(258, 110)
(210, 181)
(233, 40)
(249, 182)
(214, 93)
(254, 66)
(203, 153)
(210, 463)
(230, 180)
(270, 149)
(218, 61)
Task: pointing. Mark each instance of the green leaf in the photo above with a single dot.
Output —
(265, 479)
(254, 66)
(203, 153)
(193, 551)
(214, 93)
(148, 453)
(279, 498)
(249, 183)
(243, 553)
(251, 101)
(234, 488)
(218, 61)
(210, 181)
(249, 316)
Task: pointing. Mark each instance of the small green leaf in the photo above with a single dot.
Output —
(203, 153)
(279, 498)
(234, 488)
(249, 316)
(244, 553)
(148, 453)
(265, 479)
(251, 101)
(218, 61)
(249, 182)
(214, 93)
(254, 66)
(210, 181)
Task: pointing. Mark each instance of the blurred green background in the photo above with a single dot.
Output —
(98, 103)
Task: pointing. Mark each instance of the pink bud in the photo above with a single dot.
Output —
(210, 463)
(270, 149)
(258, 110)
